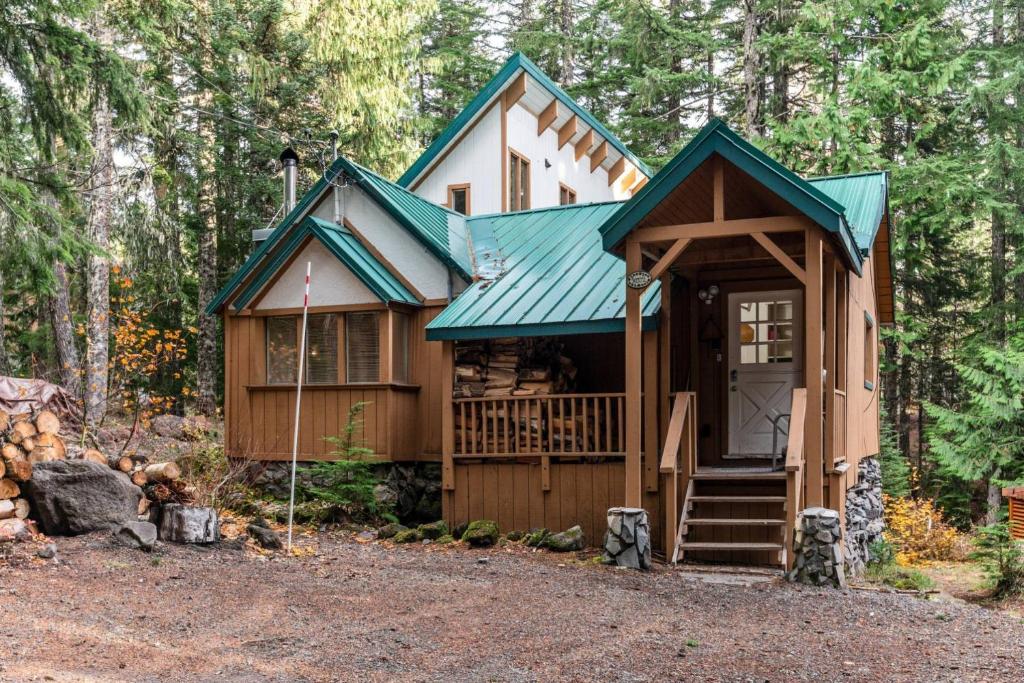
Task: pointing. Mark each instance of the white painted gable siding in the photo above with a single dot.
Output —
(476, 159)
(332, 284)
(403, 251)
(590, 187)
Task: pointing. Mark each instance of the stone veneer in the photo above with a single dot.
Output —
(627, 543)
(818, 549)
(864, 515)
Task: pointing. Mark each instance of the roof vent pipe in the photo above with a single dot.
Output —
(290, 166)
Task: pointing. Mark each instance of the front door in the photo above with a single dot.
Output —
(765, 364)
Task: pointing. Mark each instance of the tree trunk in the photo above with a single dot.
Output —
(206, 401)
(565, 19)
(5, 360)
(104, 178)
(751, 70)
(994, 499)
(998, 241)
(63, 325)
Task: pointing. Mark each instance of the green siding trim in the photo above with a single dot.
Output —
(492, 89)
(716, 137)
(346, 248)
(649, 322)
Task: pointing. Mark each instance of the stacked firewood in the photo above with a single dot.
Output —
(27, 439)
(512, 366)
(24, 439)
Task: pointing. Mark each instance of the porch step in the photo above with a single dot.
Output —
(726, 475)
(738, 499)
(702, 545)
(707, 521)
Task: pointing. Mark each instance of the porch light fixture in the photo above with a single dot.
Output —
(708, 295)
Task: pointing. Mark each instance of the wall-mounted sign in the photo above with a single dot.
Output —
(638, 279)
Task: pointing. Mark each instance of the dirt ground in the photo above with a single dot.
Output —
(351, 611)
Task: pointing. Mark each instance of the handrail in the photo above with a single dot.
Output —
(531, 397)
(680, 449)
(794, 471)
(795, 444)
(674, 435)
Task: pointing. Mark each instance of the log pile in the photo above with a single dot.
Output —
(27, 439)
(512, 366)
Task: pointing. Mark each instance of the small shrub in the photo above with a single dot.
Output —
(1003, 559)
(447, 539)
(918, 533)
(407, 536)
(218, 481)
(348, 482)
(883, 568)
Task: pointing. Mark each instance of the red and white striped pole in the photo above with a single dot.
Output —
(298, 403)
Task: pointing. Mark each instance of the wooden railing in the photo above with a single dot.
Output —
(558, 424)
(794, 469)
(679, 460)
(839, 427)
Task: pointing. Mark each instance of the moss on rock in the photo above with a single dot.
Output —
(434, 530)
(536, 537)
(514, 536)
(566, 541)
(390, 530)
(447, 539)
(481, 533)
(407, 536)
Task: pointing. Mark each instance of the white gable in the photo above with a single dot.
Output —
(331, 283)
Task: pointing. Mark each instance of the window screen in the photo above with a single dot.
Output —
(459, 199)
(322, 349)
(519, 183)
(401, 346)
(566, 195)
(282, 350)
(362, 347)
(870, 352)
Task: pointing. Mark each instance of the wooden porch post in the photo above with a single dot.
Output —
(829, 284)
(665, 357)
(650, 417)
(447, 428)
(634, 380)
(813, 364)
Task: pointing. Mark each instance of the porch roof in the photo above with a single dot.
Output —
(551, 277)
(864, 197)
(717, 138)
(346, 248)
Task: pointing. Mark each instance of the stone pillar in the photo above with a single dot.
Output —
(627, 543)
(818, 549)
(864, 515)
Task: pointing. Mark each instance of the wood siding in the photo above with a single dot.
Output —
(399, 421)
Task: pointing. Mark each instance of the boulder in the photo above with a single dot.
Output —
(264, 536)
(434, 530)
(71, 497)
(566, 541)
(389, 530)
(141, 535)
(481, 533)
(169, 426)
(407, 536)
(535, 537)
(187, 524)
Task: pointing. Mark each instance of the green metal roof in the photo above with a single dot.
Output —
(716, 137)
(555, 278)
(864, 197)
(346, 248)
(441, 231)
(492, 89)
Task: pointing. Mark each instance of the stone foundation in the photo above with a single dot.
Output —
(627, 543)
(818, 549)
(412, 490)
(864, 515)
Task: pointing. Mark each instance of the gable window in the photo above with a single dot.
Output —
(458, 198)
(322, 349)
(566, 195)
(870, 352)
(282, 350)
(362, 347)
(518, 182)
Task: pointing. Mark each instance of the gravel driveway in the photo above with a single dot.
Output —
(368, 612)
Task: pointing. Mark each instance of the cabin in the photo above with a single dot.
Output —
(1015, 515)
(564, 330)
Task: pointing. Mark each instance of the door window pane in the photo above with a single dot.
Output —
(282, 350)
(401, 345)
(322, 349)
(762, 338)
(362, 347)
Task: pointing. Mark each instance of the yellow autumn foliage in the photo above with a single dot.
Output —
(918, 533)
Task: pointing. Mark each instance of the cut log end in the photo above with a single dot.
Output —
(120, 463)
(139, 478)
(47, 422)
(163, 471)
(19, 470)
(93, 455)
(22, 430)
(9, 489)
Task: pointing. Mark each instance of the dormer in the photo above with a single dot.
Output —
(523, 143)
